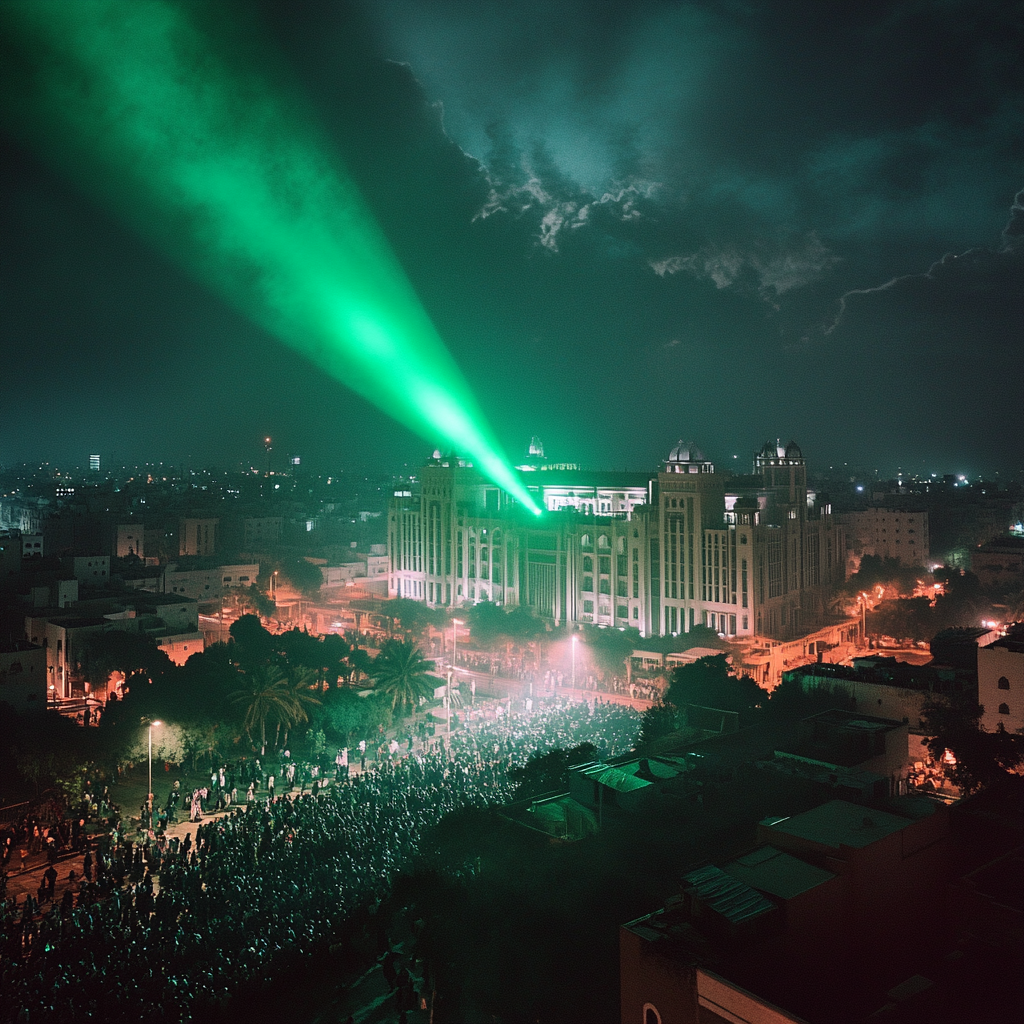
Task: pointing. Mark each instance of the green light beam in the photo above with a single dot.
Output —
(228, 173)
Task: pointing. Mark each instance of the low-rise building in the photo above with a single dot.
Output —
(898, 533)
(1001, 682)
(999, 561)
(23, 675)
(843, 892)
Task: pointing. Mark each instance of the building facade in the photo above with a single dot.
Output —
(898, 533)
(1001, 682)
(662, 553)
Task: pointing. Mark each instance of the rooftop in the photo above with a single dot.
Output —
(838, 824)
(776, 872)
(726, 895)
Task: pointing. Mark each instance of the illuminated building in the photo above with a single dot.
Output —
(663, 553)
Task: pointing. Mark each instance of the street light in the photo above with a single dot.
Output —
(574, 661)
(451, 672)
(149, 800)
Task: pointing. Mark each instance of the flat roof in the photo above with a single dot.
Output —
(16, 646)
(839, 823)
(776, 872)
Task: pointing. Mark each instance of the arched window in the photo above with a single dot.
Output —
(585, 541)
(1004, 683)
(1004, 709)
(602, 541)
(636, 533)
(651, 1015)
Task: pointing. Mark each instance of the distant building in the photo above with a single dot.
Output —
(261, 533)
(898, 533)
(23, 675)
(208, 584)
(89, 570)
(197, 536)
(130, 540)
(94, 463)
(31, 545)
(1001, 682)
(999, 561)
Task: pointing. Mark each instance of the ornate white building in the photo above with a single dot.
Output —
(664, 552)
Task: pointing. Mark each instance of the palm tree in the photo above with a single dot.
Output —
(267, 698)
(300, 689)
(401, 673)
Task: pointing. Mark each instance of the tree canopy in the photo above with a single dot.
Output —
(400, 674)
(707, 682)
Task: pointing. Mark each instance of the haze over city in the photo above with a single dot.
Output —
(511, 512)
(657, 220)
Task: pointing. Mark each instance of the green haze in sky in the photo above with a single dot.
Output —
(213, 158)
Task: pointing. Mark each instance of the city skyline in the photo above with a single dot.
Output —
(691, 221)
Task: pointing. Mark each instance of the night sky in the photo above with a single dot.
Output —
(631, 223)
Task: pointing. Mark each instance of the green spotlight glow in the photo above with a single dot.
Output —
(230, 174)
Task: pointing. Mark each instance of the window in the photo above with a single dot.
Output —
(588, 606)
(605, 587)
(651, 1015)
(588, 583)
(602, 541)
(605, 564)
(585, 541)
(588, 563)
(1004, 683)
(1004, 709)
(622, 611)
(621, 589)
(636, 613)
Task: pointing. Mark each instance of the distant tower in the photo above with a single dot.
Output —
(536, 450)
(94, 463)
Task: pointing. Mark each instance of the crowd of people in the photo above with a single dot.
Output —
(161, 927)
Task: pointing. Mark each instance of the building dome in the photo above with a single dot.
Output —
(772, 450)
(793, 451)
(686, 451)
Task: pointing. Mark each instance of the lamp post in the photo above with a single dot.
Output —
(149, 797)
(451, 671)
(574, 661)
(864, 616)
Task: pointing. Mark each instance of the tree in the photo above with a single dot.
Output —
(400, 673)
(300, 689)
(267, 698)
(414, 616)
(256, 601)
(658, 720)
(117, 650)
(709, 683)
(611, 649)
(303, 575)
(544, 773)
(953, 723)
(255, 644)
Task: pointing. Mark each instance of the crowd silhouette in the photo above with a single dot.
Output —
(160, 929)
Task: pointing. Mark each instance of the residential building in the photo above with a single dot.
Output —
(22, 675)
(899, 533)
(1001, 682)
(999, 562)
(840, 892)
(197, 536)
(130, 540)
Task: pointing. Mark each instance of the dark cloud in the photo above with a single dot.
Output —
(631, 221)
